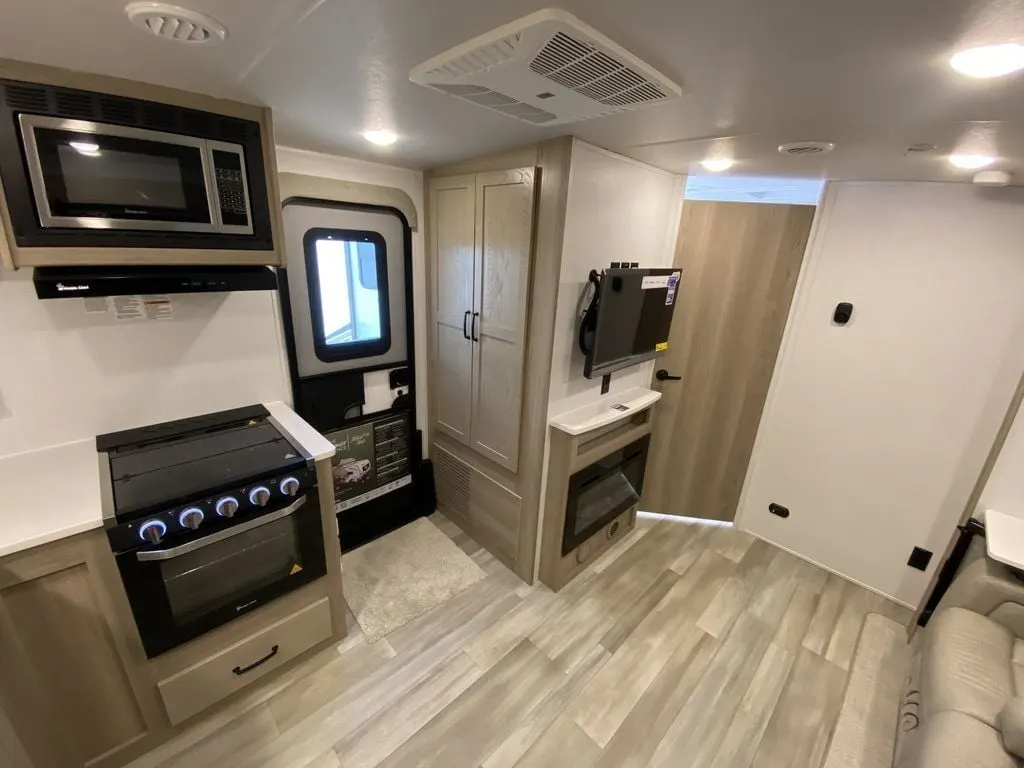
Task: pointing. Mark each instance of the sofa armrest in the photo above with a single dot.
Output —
(991, 589)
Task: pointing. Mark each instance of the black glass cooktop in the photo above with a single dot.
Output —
(170, 463)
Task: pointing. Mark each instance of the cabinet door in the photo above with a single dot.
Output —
(451, 205)
(62, 681)
(504, 240)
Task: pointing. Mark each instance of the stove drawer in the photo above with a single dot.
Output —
(205, 683)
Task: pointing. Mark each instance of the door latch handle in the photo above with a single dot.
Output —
(476, 316)
(662, 375)
(465, 324)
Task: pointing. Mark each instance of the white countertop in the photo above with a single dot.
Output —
(1004, 538)
(49, 494)
(318, 446)
(609, 409)
(53, 493)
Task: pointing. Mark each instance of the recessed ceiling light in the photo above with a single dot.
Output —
(381, 137)
(989, 60)
(971, 162)
(717, 164)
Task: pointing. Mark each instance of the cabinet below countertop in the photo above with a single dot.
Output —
(70, 653)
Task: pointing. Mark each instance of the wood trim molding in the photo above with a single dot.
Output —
(520, 157)
(553, 159)
(299, 185)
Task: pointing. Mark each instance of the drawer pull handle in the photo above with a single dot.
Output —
(251, 667)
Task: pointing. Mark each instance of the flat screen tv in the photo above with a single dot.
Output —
(629, 320)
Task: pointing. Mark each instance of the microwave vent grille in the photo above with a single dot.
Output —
(116, 110)
(231, 130)
(158, 117)
(74, 104)
(26, 98)
(123, 111)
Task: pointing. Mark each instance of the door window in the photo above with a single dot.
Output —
(348, 291)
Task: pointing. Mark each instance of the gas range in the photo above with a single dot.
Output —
(208, 517)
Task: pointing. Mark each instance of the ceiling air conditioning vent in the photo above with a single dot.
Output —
(547, 68)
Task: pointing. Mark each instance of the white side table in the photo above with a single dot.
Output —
(1004, 538)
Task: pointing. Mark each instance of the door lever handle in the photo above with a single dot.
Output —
(662, 375)
(465, 324)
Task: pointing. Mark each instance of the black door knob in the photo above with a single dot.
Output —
(662, 375)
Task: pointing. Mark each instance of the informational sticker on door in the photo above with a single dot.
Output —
(673, 284)
(370, 460)
(661, 346)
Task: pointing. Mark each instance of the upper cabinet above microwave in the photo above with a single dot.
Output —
(99, 171)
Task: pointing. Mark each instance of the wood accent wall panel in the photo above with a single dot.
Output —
(740, 264)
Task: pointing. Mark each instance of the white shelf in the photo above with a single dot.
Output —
(1004, 538)
(608, 410)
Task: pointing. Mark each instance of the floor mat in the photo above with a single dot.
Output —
(865, 734)
(402, 575)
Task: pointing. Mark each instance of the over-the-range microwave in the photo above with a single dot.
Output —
(84, 169)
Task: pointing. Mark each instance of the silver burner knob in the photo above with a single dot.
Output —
(259, 495)
(227, 506)
(290, 486)
(191, 518)
(152, 531)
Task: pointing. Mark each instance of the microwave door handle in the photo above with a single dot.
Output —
(192, 546)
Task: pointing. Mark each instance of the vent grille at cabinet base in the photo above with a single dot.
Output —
(452, 483)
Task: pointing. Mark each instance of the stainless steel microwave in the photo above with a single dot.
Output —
(97, 176)
(84, 169)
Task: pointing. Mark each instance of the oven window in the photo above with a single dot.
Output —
(231, 570)
(348, 293)
(100, 176)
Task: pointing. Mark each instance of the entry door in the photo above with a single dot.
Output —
(740, 263)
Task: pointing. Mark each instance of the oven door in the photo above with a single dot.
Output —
(182, 591)
(97, 176)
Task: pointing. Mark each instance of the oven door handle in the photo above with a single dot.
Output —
(213, 538)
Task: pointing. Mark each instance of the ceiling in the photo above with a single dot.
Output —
(870, 76)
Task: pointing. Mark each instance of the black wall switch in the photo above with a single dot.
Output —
(843, 313)
(920, 558)
(778, 509)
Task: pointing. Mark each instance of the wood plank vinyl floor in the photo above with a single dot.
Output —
(687, 645)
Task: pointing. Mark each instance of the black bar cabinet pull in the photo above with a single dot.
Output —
(475, 316)
(465, 322)
(251, 667)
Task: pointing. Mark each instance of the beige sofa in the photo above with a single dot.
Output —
(961, 707)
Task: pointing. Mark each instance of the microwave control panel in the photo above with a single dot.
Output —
(231, 189)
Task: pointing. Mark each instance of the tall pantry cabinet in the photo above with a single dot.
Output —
(481, 241)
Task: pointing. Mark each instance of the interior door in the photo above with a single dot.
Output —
(504, 237)
(452, 206)
(740, 263)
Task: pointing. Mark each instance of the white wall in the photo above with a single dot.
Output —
(617, 210)
(378, 392)
(1004, 490)
(874, 434)
(66, 375)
